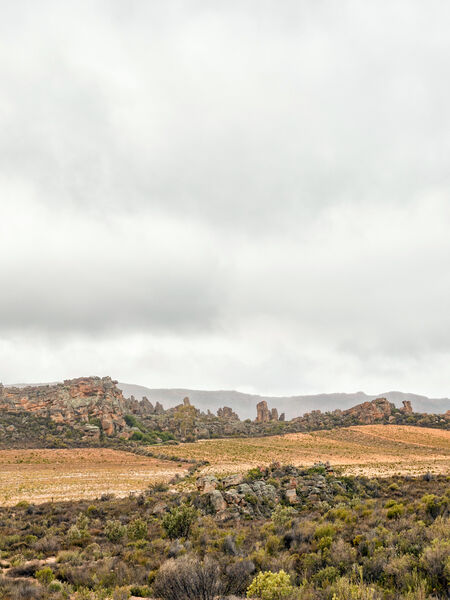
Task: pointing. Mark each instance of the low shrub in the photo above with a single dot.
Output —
(270, 586)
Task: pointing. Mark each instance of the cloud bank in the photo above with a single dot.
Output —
(226, 195)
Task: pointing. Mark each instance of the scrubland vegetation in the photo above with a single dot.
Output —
(279, 533)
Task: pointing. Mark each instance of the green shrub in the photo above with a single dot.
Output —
(137, 529)
(326, 576)
(395, 511)
(254, 474)
(270, 586)
(178, 521)
(114, 530)
(282, 516)
(273, 544)
(45, 575)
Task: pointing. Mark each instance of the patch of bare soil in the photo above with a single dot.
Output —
(51, 475)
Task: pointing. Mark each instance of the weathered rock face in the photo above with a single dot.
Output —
(262, 412)
(227, 413)
(371, 412)
(407, 408)
(77, 402)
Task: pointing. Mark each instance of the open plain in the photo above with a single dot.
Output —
(43, 475)
(68, 474)
(376, 450)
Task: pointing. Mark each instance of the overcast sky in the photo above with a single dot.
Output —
(242, 194)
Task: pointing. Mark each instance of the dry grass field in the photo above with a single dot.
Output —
(369, 449)
(43, 475)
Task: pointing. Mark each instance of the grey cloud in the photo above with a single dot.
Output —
(258, 191)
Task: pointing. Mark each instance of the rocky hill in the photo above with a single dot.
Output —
(93, 410)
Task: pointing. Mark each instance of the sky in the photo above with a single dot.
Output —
(247, 195)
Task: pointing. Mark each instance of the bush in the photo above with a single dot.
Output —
(395, 511)
(435, 560)
(178, 521)
(282, 516)
(187, 579)
(237, 577)
(326, 576)
(45, 575)
(270, 586)
(254, 474)
(344, 589)
(114, 531)
(137, 529)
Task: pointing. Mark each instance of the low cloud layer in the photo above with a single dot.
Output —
(226, 195)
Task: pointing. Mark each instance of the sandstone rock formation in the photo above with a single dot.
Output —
(371, 412)
(264, 415)
(90, 403)
(407, 408)
(262, 412)
(227, 413)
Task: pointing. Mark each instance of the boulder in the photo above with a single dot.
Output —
(217, 501)
(291, 496)
(233, 480)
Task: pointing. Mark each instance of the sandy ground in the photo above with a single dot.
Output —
(379, 450)
(372, 450)
(45, 475)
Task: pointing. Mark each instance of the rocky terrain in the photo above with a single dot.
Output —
(293, 406)
(93, 410)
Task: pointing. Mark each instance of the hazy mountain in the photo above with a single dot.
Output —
(293, 406)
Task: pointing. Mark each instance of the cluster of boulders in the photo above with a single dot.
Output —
(379, 410)
(257, 493)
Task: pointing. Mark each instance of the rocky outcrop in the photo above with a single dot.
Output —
(371, 412)
(238, 496)
(407, 408)
(89, 403)
(227, 413)
(263, 414)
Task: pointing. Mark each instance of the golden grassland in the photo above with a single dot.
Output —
(44, 475)
(378, 450)
(367, 449)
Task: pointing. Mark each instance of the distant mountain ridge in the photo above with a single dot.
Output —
(245, 404)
